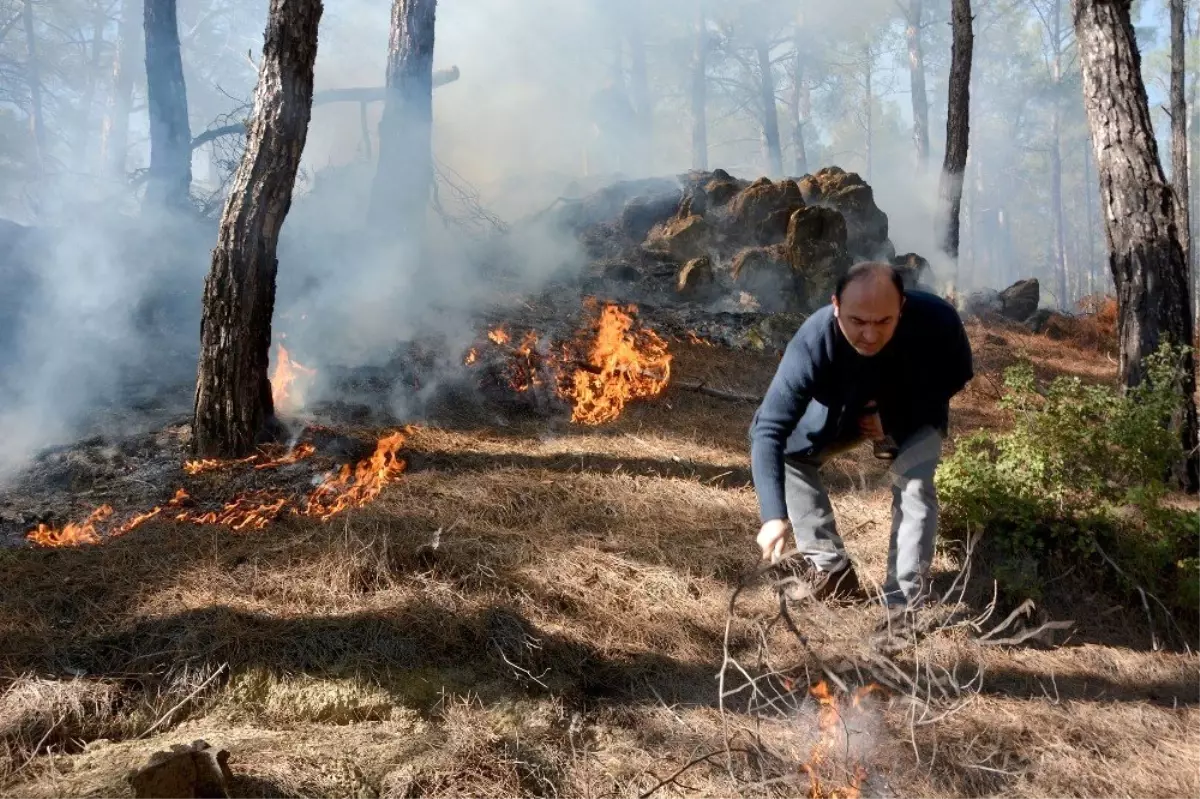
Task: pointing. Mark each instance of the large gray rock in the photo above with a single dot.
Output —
(1019, 301)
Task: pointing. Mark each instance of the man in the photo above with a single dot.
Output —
(877, 362)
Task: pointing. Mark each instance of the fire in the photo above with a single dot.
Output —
(352, 487)
(349, 487)
(608, 364)
(832, 741)
(73, 533)
(471, 357)
(261, 460)
(288, 381)
(694, 338)
(627, 365)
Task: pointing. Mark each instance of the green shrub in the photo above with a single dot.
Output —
(1082, 466)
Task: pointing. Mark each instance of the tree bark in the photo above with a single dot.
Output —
(766, 82)
(868, 106)
(916, 73)
(801, 104)
(37, 119)
(404, 175)
(958, 111)
(1095, 285)
(1141, 222)
(114, 139)
(700, 91)
(170, 176)
(83, 124)
(233, 390)
(1056, 201)
(639, 89)
(1179, 137)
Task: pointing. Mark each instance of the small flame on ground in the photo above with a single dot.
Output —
(830, 724)
(694, 338)
(349, 487)
(471, 357)
(261, 460)
(288, 381)
(72, 533)
(499, 336)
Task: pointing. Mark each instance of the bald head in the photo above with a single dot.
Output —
(867, 302)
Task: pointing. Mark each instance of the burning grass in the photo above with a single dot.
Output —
(535, 614)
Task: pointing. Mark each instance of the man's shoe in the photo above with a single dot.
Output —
(801, 581)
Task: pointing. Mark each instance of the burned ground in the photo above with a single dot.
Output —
(535, 607)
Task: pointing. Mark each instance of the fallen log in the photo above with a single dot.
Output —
(701, 388)
(359, 94)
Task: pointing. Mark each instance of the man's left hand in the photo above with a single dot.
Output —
(871, 426)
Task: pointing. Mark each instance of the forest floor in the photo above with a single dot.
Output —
(565, 635)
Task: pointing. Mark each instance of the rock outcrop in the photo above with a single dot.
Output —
(711, 238)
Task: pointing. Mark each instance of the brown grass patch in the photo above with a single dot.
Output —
(541, 610)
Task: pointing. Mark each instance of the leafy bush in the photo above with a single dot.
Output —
(1082, 467)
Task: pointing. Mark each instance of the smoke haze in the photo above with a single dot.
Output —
(105, 305)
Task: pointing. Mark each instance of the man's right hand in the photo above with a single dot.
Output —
(771, 538)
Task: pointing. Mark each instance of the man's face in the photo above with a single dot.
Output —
(868, 314)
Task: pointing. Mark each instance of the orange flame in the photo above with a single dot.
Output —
(350, 487)
(628, 365)
(261, 460)
(471, 357)
(830, 724)
(72, 533)
(623, 362)
(288, 381)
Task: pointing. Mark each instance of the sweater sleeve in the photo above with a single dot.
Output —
(960, 366)
(785, 402)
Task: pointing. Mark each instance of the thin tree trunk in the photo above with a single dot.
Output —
(958, 110)
(404, 174)
(170, 176)
(1145, 256)
(1056, 200)
(1095, 286)
(770, 116)
(1179, 137)
(868, 107)
(83, 125)
(700, 91)
(639, 87)
(37, 119)
(114, 139)
(801, 104)
(916, 73)
(233, 390)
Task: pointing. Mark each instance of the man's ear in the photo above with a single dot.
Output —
(834, 302)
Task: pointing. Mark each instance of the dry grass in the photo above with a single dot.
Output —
(561, 634)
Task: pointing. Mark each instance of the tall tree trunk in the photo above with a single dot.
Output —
(83, 125)
(1056, 200)
(233, 390)
(639, 88)
(868, 107)
(801, 104)
(700, 91)
(916, 74)
(1179, 137)
(37, 119)
(170, 177)
(114, 139)
(958, 111)
(404, 175)
(1146, 259)
(766, 82)
(1095, 286)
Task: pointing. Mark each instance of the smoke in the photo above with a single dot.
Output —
(110, 303)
